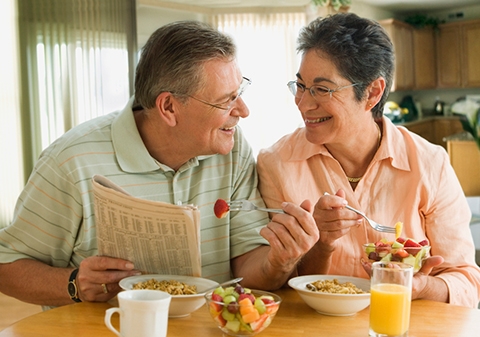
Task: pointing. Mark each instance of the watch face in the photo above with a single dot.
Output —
(72, 290)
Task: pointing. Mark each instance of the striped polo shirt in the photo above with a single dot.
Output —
(54, 218)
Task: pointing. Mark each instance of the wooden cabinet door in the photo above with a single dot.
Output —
(471, 54)
(425, 64)
(425, 129)
(401, 35)
(436, 129)
(448, 56)
(446, 127)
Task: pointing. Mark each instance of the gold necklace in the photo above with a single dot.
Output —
(356, 180)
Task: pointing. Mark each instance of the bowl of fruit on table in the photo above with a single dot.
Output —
(408, 251)
(240, 311)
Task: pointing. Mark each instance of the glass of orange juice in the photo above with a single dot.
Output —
(390, 299)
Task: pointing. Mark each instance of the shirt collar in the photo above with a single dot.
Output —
(131, 153)
(392, 147)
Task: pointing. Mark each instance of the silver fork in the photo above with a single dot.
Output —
(375, 225)
(245, 205)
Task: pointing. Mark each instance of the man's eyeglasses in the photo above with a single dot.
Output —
(319, 92)
(227, 106)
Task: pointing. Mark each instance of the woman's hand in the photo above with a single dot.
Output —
(333, 219)
(424, 286)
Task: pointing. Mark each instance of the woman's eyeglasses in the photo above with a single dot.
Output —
(319, 92)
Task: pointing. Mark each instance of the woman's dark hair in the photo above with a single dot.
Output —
(360, 49)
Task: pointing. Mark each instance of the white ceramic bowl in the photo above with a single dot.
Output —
(332, 304)
(180, 305)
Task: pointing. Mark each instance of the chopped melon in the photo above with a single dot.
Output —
(398, 229)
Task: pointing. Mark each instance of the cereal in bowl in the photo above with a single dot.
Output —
(334, 287)
(172, 287)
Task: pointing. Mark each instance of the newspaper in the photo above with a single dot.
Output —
(158, 237)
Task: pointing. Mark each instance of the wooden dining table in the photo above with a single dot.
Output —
(293, 319)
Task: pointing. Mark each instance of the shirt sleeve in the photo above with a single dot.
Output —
(246, 226)
(447, 227)
(46, 220)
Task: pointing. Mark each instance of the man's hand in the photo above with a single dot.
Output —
(95, 271)
(291, 235)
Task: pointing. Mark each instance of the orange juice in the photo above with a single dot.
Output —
(390, 309)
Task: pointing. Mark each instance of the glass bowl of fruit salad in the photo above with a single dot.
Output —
(240, 311)
(408, 251)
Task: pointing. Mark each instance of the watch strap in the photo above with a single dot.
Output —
(72, 286)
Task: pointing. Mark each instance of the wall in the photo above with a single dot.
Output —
(150, 18)
(469, 13)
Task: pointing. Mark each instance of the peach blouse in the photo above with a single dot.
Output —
(409, 180)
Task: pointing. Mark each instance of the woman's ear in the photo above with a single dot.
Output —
(375, 92)
(166, 105)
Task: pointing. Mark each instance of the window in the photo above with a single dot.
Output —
(267, 55)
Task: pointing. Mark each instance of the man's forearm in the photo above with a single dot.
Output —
(35, 282)
(258, 273)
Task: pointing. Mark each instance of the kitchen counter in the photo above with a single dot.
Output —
(428, 118)
(435, 129)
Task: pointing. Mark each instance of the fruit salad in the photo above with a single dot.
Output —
(402, 250)
(240, 311)
(221, 208)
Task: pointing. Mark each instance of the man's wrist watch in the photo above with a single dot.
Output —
(72, 286)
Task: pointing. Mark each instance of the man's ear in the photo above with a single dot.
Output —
(167, 105)
(375, 91)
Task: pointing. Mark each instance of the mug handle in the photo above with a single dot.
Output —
(108, 317)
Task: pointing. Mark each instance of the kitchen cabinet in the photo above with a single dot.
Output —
(435, 129)
(465, 159)
(458, 50)
(423, 128)
(424, 58)
(401, 35)
(415, 66)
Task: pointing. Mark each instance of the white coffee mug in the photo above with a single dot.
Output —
(143, 313)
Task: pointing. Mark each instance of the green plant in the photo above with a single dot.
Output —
(336, 4)
(469, 111)
(422, 20)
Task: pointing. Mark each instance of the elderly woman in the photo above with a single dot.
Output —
(349, 150)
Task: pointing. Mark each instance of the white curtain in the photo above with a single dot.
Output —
(64, 62)
(78, 57)
(267, 55)
(11, 168)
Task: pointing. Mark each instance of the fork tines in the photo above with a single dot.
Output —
(235, 205)
(386, 229)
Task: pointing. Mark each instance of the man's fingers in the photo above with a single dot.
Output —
(100, 263)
